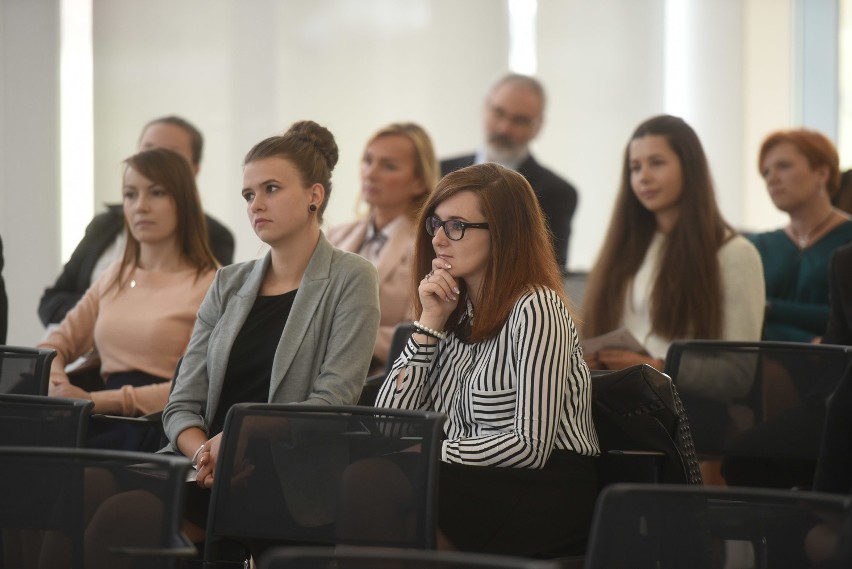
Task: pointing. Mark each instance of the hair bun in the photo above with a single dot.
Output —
(318, 136)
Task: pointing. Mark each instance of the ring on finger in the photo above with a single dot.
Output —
(429, 275)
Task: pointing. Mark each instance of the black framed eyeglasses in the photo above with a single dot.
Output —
(453, 228)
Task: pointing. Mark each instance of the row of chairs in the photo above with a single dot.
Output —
(641, 526)
(635, 526)
(755, 400)
(640, 393)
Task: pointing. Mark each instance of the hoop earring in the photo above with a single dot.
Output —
(312, 208)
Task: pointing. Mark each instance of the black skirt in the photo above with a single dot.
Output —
(519, 511)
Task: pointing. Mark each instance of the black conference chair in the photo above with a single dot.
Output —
(401, 334)
(384, 558)
(643, 431)
(758, 407)
(88, 508)
(285, 474)
(41, 421)
(690, 527)
(25, 371)
(574, 284)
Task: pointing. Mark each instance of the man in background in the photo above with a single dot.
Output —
(104, 239)
(513, 115)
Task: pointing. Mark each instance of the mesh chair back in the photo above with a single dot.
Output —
(25, 371)
(83, 508)
(692, 527)
(400, 337)
(574, 284)
(384, 558)
(638, 409)
(41, 421)
(730, 389)
(281, 468)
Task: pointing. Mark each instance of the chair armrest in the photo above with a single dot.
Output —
(144, 420)
(617, 465)
(184, 548)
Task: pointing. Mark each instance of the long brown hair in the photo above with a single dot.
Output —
(687, 293)
(521, 256)
(171, 171)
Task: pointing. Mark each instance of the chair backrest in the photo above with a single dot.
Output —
(574, 283)
(638, 409)
(25, 371)
(385, 558)
(282, 471)
(41, 421)
(91, 508)
(730, 389)
(703, 527)
(400, 337)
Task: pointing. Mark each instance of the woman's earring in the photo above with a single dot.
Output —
(312, 208)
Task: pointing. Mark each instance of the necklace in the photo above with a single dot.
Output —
(804, 240)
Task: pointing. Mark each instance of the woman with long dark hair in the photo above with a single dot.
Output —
(670, 267)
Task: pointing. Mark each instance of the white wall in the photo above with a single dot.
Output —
(29, 158)
(245, 70)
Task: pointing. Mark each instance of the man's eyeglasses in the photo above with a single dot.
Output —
(453, 228)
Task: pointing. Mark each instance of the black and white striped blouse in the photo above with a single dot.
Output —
(511, 399)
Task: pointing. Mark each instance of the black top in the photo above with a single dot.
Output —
(840, 297)
(248, 375)
(4, 303)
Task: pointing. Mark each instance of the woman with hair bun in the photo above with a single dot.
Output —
(800, 168)
(305, 307)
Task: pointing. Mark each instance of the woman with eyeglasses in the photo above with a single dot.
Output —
(670, 267)
(495, 348)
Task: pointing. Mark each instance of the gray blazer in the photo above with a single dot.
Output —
(322, 356)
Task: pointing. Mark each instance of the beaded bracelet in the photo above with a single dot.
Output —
(429, 331)
(194, 462)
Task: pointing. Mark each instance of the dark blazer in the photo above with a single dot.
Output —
(557, 197)
(4, 302)
(839, 329)
(101, 232)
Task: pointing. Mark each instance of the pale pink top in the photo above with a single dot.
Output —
(143, 326)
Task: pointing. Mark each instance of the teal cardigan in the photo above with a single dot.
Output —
(797, 283)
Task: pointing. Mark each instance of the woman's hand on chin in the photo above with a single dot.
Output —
(439, 295)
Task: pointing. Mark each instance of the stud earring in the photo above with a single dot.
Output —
(312, 208)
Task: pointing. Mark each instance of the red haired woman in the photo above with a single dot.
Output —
(495, 348)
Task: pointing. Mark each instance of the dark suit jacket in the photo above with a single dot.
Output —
(839, 329)
(100, 233)
(4, 302)
(558, 198)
